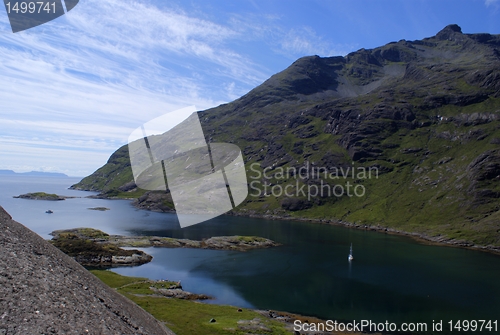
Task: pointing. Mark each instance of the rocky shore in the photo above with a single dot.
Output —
(150, 202)
(420, 237)
(423, 238)
(239, 243)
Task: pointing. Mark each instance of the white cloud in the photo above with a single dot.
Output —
(76, 86)
(82, 82)
(290, 42)
(490, 2)
(302, 41)
(305, 42)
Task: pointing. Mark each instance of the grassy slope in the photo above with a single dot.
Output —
(182, 316)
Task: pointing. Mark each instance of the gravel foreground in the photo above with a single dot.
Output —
(44, 291)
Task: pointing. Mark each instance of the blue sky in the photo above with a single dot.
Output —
(73, 90)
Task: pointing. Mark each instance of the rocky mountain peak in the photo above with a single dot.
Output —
(448, 32)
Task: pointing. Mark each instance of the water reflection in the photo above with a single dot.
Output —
(350, 269)
(190, 267)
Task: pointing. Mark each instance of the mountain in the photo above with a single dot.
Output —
(45, 291)
(423, 117)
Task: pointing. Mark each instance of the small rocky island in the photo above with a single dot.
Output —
(102, 209)
(93, 247)
(42, 196)
(86, 247)
(239, 243)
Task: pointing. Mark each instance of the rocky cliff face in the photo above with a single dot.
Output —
(425, 114)
(43, 291)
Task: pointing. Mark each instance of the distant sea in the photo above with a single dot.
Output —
(70, 213)
(33, 173)
(392, 278)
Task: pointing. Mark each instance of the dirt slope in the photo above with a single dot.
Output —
(43, 291)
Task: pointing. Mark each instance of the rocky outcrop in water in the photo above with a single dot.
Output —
(41, 196)
(88, 247)
(101, 240)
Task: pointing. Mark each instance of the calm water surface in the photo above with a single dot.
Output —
(392, 278)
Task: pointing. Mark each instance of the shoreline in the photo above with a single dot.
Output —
(135, 287)
(440, 240)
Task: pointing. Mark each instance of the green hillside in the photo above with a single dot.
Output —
(422, 116)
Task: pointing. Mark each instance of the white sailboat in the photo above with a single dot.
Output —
(350, 257)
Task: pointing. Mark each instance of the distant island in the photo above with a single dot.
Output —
(42, 196)
(34, 174)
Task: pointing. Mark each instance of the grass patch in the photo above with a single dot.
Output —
(93, 233)
(250, 239)
(186, 317)
(44, 195)
(115, 280)
(73, 245)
